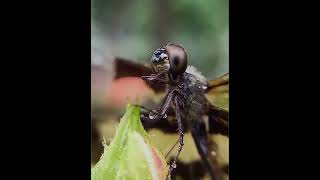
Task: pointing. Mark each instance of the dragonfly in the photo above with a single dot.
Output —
(186, 96)
(192, 102)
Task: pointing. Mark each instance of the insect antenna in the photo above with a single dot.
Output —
(148, 51)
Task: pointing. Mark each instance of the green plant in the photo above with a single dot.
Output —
(130, 155)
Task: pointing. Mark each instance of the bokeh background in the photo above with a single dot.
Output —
(132, 29)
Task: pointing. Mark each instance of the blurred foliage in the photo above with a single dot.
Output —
(134, 28)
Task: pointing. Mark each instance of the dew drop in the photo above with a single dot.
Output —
(152, 115)
(174, 166)
(213, 153)
(165, 116)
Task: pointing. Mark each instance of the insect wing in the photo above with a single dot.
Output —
(127, 68)
(218, 92)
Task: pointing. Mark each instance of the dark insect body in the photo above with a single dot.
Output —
(186, 97)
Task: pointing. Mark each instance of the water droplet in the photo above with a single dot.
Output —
(213, 153)
(153, 115)
(165, 116)
(174, 166)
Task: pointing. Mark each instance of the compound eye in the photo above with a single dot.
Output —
(177, 58)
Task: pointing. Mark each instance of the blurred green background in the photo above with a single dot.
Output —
(134, 28)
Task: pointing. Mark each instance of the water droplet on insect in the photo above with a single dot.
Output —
(174, 166)
(165, 116)
(213, 153)
(152, 116)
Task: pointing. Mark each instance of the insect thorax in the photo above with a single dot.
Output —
(193, 101)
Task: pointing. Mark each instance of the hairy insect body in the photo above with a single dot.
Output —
(192, 97)
(186, 94)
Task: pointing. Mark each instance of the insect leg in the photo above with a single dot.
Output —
(180, 130)
(150, 123)
(172, 148)
(160, 121)
(153, 76)
(167, 102)
(159, 118)
(156, 77)
(148, 110)
(159, 114)
(199, 135)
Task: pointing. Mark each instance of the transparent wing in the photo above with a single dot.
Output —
(218, 92)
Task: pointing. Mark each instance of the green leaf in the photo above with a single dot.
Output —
(130, 155)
